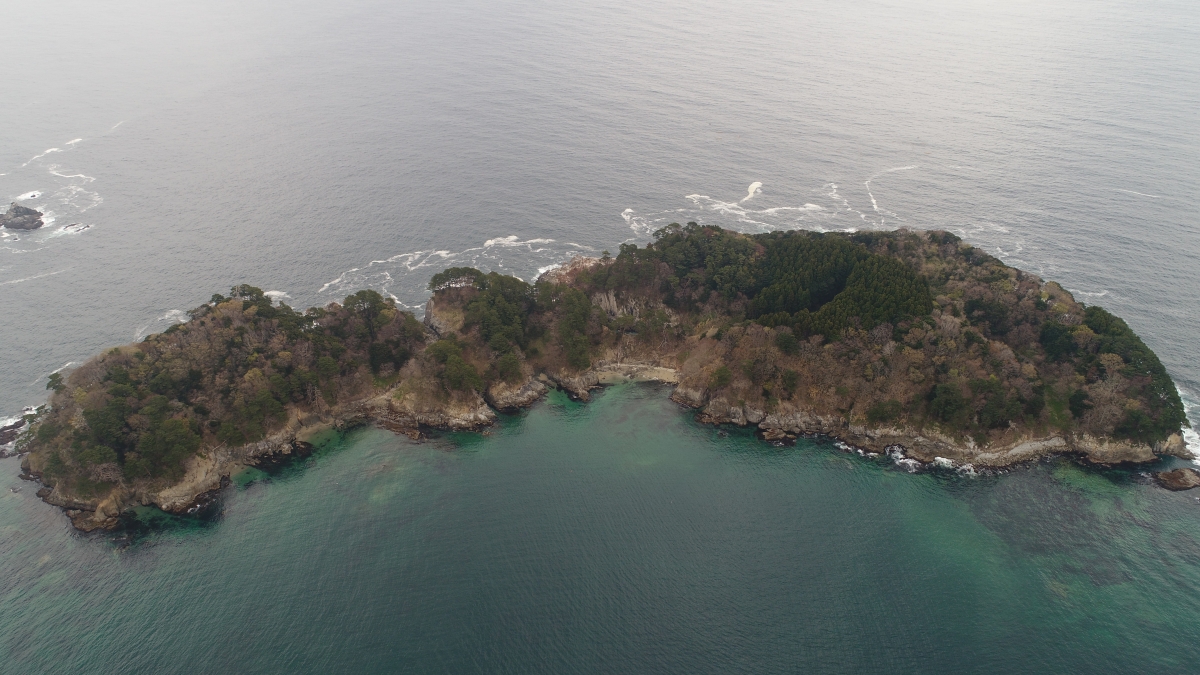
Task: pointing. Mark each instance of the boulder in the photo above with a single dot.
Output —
(21, 218)
(1178, 479)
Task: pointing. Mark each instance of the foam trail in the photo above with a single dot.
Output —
(40, 156)
(74, 175)
(1140, 194)
(77, 140)
(755, 188)
(36, 276)
(867, 183)
(59, 369)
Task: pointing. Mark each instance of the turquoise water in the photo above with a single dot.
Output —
(615, 536)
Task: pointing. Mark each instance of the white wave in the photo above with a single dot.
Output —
(73, 142)
(36, 276)
(53, 171)
(41, 156)
(874, 204)
(59, 369)
(1096, 294)
(755, 188)
(513, 240)
(637, 223)
(29, 195)
(171, 317)
(277, 296)
(73, 228)
(1191, 407)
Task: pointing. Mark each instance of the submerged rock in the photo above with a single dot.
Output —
(1178, 479)
(21, 218)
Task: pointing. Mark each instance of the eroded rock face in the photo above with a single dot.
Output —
(21, 218)
(507, 397)
(412, 412)
(1178, 479)
(1113, 451)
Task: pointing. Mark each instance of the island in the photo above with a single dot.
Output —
(910, 343)
(21, 218)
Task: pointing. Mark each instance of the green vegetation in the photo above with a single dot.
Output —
(907, 329)
(228, 376)
(813, 283)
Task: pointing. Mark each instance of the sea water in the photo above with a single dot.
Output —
(314, 148)
(616, 536)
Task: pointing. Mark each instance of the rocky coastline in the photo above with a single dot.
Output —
(960, 387)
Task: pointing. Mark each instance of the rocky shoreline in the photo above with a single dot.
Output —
(1002, 369)
(211, 470)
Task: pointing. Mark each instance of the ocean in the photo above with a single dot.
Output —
(316, 148)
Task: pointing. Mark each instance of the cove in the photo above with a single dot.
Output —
(616, 536)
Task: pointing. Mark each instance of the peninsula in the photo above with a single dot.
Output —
(907, 342)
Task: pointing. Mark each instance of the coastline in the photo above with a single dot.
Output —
(960, 376)
(211, 470)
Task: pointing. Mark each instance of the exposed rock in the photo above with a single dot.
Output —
(1174, 447)
(9, 433)
(443, 318)
(566, 273)
(1112, 451)
(21, 218)
(507, 397)
(774, 434)
(412, 411)
(577, 386)
(1178, 479)
(616, 373)
(690, 396)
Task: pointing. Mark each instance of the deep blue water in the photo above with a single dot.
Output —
(314, 148)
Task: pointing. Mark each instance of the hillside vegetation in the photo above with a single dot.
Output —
(904, 330)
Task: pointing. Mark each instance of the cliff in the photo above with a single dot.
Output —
(913, 344)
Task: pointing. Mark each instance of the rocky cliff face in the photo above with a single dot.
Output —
(21, 218)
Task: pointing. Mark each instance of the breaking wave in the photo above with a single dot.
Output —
(404, 276)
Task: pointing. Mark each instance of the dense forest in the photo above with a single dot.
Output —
(913, 330)
(227, 376)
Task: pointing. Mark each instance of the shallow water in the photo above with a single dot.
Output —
(617, 536)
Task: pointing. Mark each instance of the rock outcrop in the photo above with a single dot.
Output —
(1178, 479)
(507, 397)
(21, 218)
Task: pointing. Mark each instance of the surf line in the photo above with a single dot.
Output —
(36, 276)
(1140, 194)
(867, 183)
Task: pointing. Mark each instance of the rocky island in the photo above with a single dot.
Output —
(913, 343)
(21, 218)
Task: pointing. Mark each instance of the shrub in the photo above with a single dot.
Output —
(508, 368)
(786, 342)
(946, 402)
(721, 377)
(884, 411)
